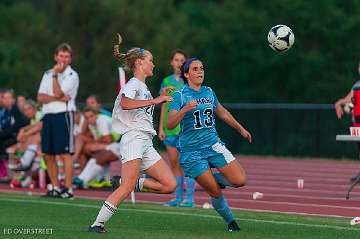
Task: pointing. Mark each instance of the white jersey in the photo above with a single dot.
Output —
(69, 83)
(102, 127)
(140, 119)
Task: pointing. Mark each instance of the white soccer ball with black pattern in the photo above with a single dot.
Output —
(281, 38)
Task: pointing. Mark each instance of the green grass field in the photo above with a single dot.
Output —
(70, 219)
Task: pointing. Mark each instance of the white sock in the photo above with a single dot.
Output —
(106, 173)
(29, 155)
(141, 184)
(106, 211)
(91, 170)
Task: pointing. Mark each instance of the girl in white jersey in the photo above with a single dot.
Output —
(132, 118)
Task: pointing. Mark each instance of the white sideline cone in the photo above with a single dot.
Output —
(354, 221)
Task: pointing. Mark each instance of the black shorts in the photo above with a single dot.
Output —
(57, 135)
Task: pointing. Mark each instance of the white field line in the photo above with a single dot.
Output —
(161, 197)
(185, 214)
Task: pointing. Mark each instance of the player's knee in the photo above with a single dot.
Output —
(128, 187)
(240, 181)
(215, 193)
(169, 186)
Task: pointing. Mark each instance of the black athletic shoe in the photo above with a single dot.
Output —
(97, 229)
(66, 194)
(21, 168)
(52, 193)
(115, 182)
(233, 227)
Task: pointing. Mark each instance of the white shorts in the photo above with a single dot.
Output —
(114, 148)
(138, 145)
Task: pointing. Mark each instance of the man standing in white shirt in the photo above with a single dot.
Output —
(57, 93)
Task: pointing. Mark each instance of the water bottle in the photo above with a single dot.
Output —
(42, 178)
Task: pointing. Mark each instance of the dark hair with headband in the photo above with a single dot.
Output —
(185, 67)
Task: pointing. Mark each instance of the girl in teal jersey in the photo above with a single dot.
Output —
(199, 144)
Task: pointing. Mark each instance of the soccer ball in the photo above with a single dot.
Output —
(348, 108)
(281, 38)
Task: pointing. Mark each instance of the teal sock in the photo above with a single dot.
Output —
(221, 180)
(221, 206)
(179, 188)
(190, 189)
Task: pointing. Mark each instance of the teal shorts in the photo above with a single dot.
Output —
(171, 141)
(195, 163)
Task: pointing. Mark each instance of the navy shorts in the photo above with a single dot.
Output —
(57, 135)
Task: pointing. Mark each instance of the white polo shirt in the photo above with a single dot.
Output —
(140, 119)
(69, 84)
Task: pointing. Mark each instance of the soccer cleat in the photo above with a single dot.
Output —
(79, 183)
(99, 184)
(21, 168)
(233, 227)
(172, 203)
(66, 194)
(353, 179)
(97, 229)
(186, 204)
(115, 182)
(52, 193)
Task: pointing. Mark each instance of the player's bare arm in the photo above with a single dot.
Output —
(161, 123)
(227, 117)
(167, 90)
(60, 67)
(340, 103)
(129, 104)
(107, 139)
(175, 117)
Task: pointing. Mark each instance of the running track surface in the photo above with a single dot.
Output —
(325, 186)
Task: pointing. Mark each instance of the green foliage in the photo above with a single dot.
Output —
(229, 36)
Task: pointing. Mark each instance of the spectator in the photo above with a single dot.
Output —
(1, 105)
(57, 93)
(20, 102)
(80, 126)
(29, 136)
(93, 101)
(98, 135)
(11, 122)
(98, 166)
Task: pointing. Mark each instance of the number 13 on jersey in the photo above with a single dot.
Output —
(203, 118)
